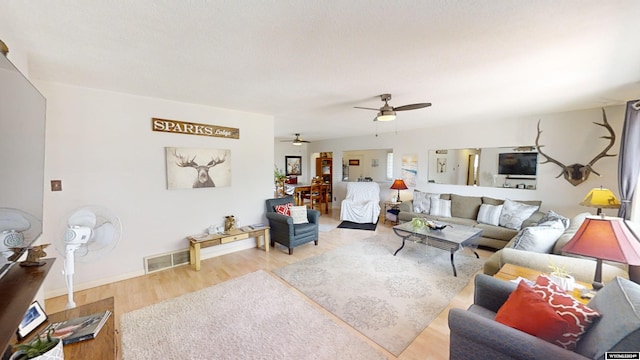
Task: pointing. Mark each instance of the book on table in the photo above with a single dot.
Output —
(79, 328)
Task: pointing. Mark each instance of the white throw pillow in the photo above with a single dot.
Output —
(299, 214)
(440, 207)
(489, 214)
(539, 238)
(552, 215)
(422, 201)
(515, 213)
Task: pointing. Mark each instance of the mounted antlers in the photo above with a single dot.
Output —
(577, 173)
(203, 179)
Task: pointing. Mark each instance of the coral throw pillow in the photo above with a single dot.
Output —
(527, 311)
(284, 209)
(578, 316)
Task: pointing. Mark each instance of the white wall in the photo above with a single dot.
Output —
(100, 144)
(569, 137)
(283, 149)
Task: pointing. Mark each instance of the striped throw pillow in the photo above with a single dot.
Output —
(489, 214)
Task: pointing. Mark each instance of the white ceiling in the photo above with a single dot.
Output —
(308, 63)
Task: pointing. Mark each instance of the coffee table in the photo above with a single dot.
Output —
(452, 238)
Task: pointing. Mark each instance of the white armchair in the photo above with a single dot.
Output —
(362, 204)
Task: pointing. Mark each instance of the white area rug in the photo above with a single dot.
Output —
(251, 317)
(390, 299)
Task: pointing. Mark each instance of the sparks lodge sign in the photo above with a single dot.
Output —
(184, 127)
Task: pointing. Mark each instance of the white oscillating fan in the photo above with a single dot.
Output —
(91, 233)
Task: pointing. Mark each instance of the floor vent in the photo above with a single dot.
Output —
(165, 261)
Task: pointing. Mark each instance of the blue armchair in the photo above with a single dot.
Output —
(475, 334)
(285, 232)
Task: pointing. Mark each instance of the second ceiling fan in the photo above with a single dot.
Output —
(388, 112)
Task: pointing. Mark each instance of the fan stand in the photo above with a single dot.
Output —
(69, 270)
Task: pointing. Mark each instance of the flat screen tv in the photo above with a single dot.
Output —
(517, 163)
(22, 140)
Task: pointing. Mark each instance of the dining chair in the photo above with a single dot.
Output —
(314, 196)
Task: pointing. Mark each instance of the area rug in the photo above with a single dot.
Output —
(358, 226)
(390, 299)
(254, 316)
(325, 227)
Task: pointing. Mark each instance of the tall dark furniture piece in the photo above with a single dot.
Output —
(285, 232)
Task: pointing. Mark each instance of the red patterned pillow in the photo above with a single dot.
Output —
(526, 311)
(577, 315)
(284, 209)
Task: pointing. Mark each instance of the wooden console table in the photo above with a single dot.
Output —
(512, 272)
(103, 347)
(197, 242)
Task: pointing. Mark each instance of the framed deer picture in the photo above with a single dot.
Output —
(193, 168)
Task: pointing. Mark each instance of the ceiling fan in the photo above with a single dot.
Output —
(388, 112)
(297, 141)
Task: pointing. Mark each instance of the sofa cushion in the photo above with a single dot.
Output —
(515, 213)
(489, 214)
(619, 327)
(458, 221)
(540, 238)
(299, 214)
(422, 201)
(492, 201)
(527, 311)
(574, 225)
(284, 209)
(578, 316)
(465, 206)
(440, 208)
(497, 232)
(553, 216)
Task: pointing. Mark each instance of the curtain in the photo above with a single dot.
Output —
(629, 157)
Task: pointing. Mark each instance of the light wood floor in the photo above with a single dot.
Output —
(136, 293)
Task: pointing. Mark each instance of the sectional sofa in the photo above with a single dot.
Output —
(465, 211)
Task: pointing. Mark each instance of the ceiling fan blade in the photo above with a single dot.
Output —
(366, 108)
(412, 106)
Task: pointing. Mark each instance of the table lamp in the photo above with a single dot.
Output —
(605, 238)
(601, 199)
(399, 184)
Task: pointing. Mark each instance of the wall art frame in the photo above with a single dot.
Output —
(293, 165)
(195, 168)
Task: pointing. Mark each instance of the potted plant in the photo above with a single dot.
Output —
(561, 277)
(42, 348)
(278, 177)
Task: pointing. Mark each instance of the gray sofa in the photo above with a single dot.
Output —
(476, 335)
(580, 268)
(464, 211)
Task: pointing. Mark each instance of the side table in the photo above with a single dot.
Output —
(389, 205)
(103, 347)
(512, 272)
(196, 242)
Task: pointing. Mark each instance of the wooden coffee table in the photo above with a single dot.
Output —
(512, 272)
(451, 238)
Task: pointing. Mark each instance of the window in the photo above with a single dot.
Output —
(390, 166)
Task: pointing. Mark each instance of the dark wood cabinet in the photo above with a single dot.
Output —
(324, 169)
(18, 288)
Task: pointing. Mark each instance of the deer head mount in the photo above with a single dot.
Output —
(578, 173)
(202, 179)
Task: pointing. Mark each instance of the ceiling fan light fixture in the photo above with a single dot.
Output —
(296, 143)
(386, 116)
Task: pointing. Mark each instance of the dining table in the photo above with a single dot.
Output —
(299, 189)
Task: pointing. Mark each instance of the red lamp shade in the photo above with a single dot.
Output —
(606, 239)
(399, 184)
